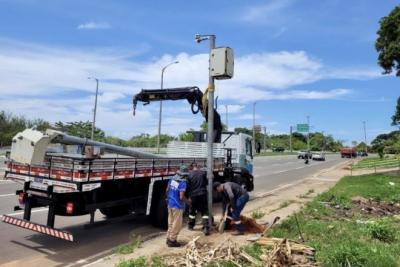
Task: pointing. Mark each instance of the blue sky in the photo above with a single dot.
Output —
(295, 58)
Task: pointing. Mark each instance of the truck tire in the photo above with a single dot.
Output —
(116, 211)
(159, 213)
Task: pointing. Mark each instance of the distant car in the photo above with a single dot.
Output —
(278, 149)
(304, 154)
(362, 154)
(318, 156)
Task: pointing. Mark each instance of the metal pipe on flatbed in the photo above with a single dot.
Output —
(66, 139)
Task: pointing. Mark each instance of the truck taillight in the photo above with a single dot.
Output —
(21, 198)
(70, 208)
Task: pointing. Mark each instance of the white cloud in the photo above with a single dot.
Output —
(94, 26)
(51, 83)
(231, 108)
(265, 13)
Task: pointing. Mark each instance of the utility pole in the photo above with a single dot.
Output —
(210, 128)
(265, 133)
(95, 107)
(308, 133)
(254, 128)
(160, 113)
(365, 137)
(290, 138)
(226, 116)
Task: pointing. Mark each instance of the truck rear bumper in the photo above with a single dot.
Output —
(38, 228)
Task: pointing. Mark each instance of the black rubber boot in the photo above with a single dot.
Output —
(239, 229)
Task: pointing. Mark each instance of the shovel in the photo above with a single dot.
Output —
(221, 226)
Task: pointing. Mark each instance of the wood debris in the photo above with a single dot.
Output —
(277, 252)
(284, 252)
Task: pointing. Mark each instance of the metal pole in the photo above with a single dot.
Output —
(226, 116)
(95, 108)
(160, 112)
(308, 133)
(210, 133)
(265, 133)
(254, 128)
(290, 139)
(365, 137)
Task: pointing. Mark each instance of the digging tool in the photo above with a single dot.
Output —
(298, 228)
(258, 236)
(276, 219)
(221, 226)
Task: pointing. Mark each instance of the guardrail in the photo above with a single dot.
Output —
(376, 163)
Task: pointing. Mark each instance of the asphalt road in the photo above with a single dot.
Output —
(19, 246)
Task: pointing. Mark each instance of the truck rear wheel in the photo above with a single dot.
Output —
(116, 211)
(159, 213)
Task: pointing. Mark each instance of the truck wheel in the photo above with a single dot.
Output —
(159, 213)
(116, 211)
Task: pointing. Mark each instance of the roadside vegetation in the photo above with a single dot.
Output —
(378, 163)
(354, 224)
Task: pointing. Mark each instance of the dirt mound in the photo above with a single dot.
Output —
(377, 208)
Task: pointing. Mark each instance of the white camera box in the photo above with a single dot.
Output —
(222, 63)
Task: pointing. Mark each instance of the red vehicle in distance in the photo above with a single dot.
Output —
(348, 152)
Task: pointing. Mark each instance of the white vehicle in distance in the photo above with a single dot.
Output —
(318, 156)
(304, 154)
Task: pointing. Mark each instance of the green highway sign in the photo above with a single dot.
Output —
(303, 128)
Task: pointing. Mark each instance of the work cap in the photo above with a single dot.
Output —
(183, 170)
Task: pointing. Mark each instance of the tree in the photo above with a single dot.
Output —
(396, 116)
(204, 126)
(388, 42)
(81, 129)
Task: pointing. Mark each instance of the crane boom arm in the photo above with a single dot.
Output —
(193, 95)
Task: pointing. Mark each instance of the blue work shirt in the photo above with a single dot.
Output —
(175, 187)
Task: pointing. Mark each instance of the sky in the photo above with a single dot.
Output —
(294, 58)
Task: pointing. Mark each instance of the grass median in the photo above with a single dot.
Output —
(349, 224)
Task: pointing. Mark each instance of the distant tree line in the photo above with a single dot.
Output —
(318, 141)
(11, 124)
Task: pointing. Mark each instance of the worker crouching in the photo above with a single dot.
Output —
(234, 198)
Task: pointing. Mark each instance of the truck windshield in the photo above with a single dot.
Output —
(248, 148)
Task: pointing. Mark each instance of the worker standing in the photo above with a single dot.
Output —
(234, 198)
(176, 199)
(197, 192)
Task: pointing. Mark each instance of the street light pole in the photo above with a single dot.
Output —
(308, 133)
(265, 133)
(226, 116)
(210, 127)
(254, 128)
(365, 137)
(95, 107)
(160, 112)
(290, 139)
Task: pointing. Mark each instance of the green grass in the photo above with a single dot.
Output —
(343, 241)
(143, 262)
(257, 214)
(129, 247)
(371, 163)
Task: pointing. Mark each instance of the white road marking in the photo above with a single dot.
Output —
(7, 195)
(21, 212)
(6, 182)
(280, 171)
